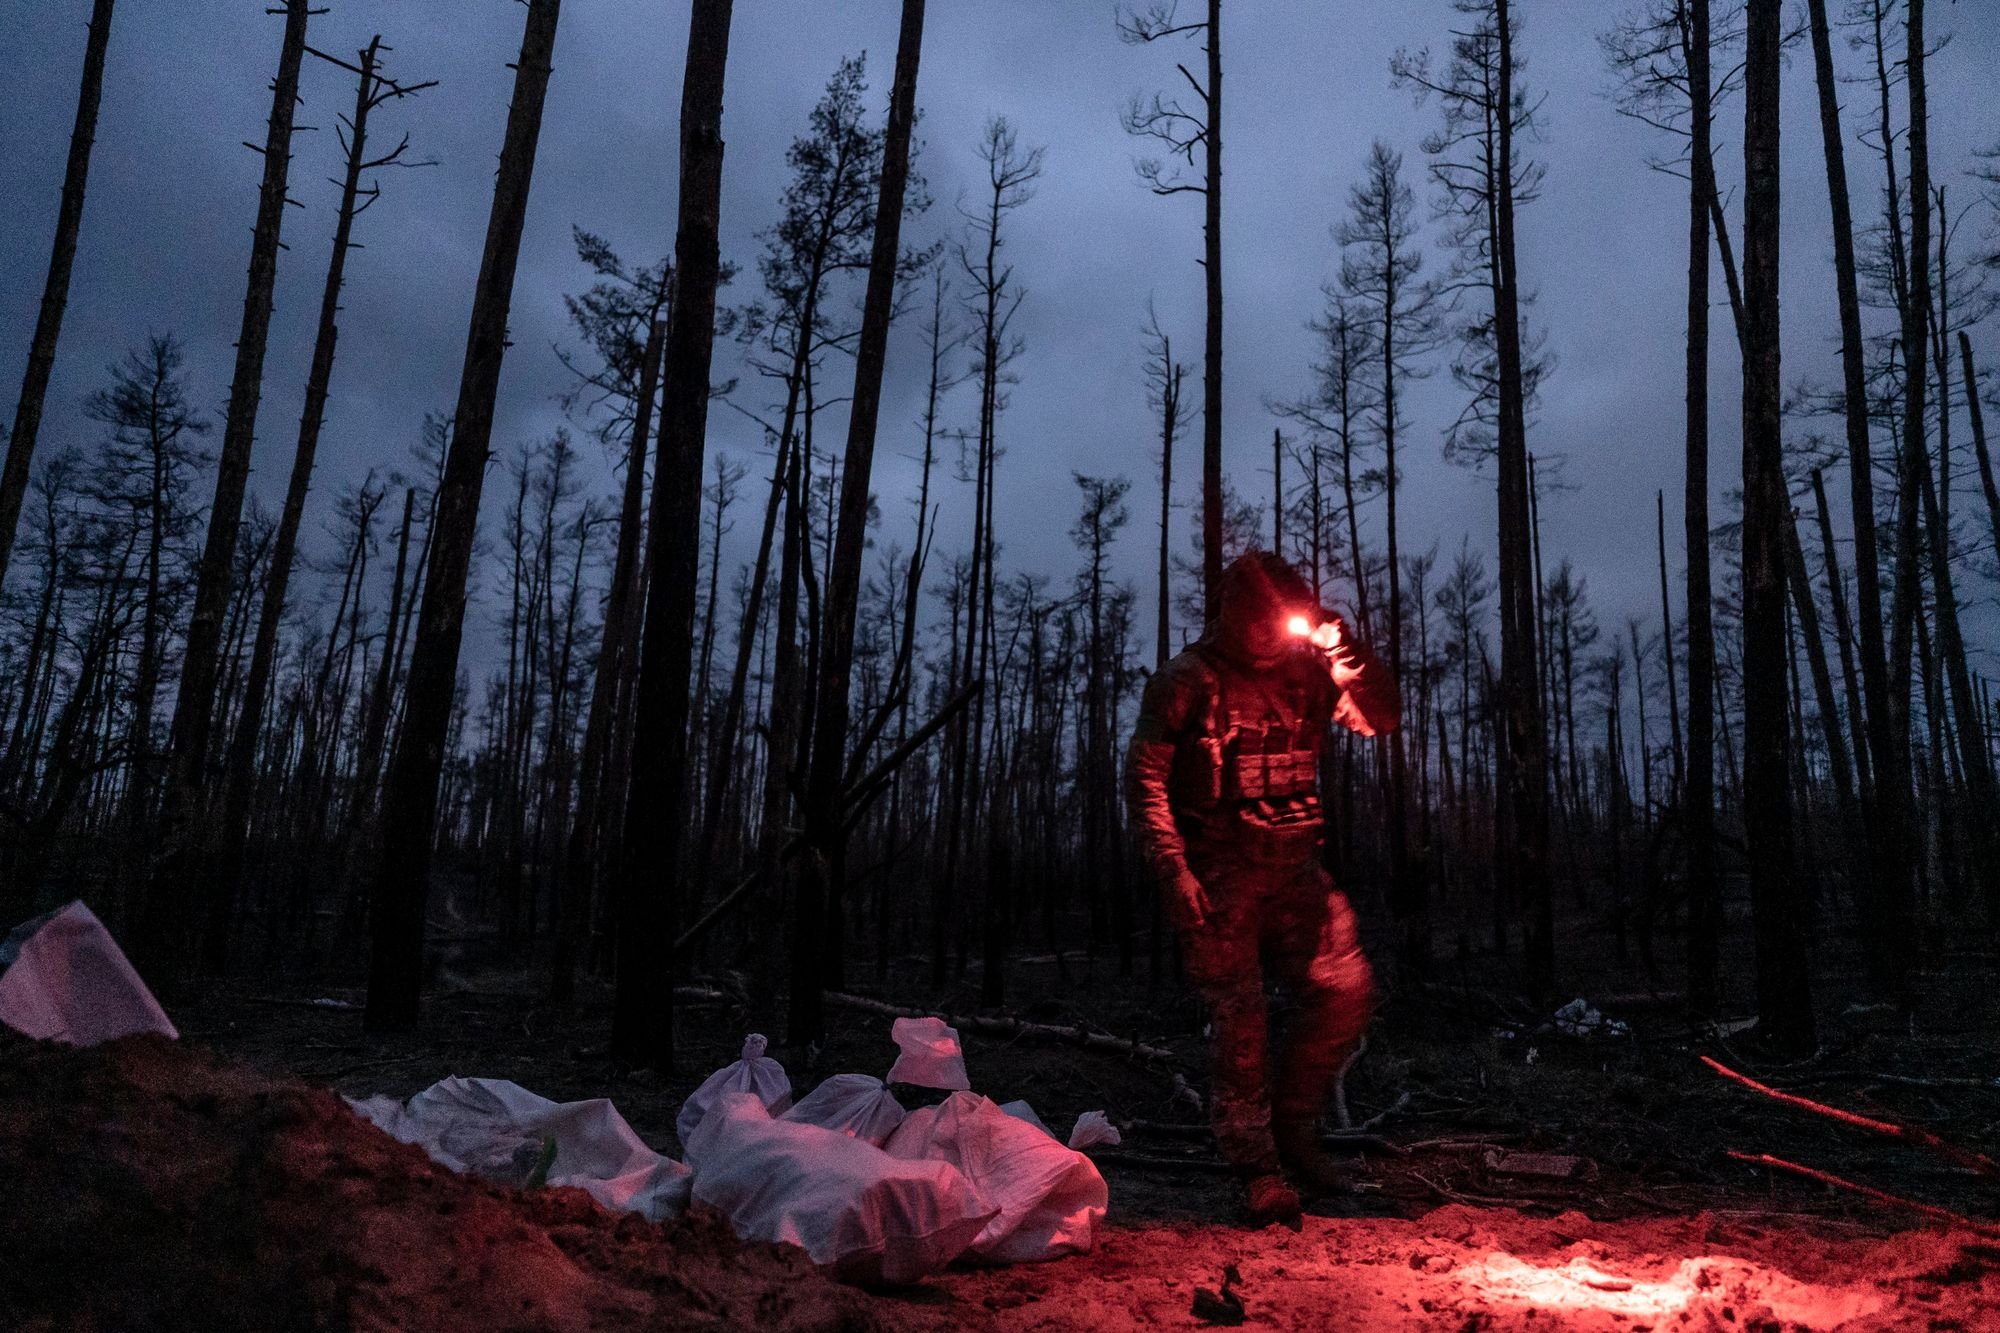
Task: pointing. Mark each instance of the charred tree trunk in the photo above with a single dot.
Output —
(1211, 373)
(1667, 651)
(1890, 902)
(224, 886)
(1528, 826)
(656, 798)
(1822, 677)
(410, 800)
(825, 832)
(1782, 912)
(194, 711)
(1704, 932)
(1978, 415)
(1844, 639)
(55, 290)
(581, 856)
(1898, 941)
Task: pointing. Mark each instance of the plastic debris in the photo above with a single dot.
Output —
(930, 1055)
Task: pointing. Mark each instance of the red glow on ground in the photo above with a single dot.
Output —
(1707, 1281)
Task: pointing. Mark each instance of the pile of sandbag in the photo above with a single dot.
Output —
(881, 1194)
(847, 1174)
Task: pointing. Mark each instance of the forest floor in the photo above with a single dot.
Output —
(117, 1160)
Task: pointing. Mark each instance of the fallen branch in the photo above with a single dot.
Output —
(1337, 1138)
(1880, 1196)
(1402, 1100)
(854, 804)
(1974, 1161)
(1160, 1162)
(1009, 1027)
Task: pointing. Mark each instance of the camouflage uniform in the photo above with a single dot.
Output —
(1222, 782)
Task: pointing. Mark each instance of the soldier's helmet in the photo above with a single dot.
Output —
(1259, 592)
(1265, 581)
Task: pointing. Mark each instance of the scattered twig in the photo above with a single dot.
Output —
(1880, 1196)
(1905, 1080)
(1077, 1035)
(1402, 1100)
(1340, 1112)
(1456, 1196)
(1160, 1162)
(1965, 1157)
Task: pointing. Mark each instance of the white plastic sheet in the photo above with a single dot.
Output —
(858, 1105)
(1093, 1128)
(871, 1216)
(501, 1131)
(1020, 1110)
(67, 980)
(930, 1055)
(1049, 1199)
(755, 1072)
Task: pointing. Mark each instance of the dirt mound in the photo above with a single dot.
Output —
(151, 1185)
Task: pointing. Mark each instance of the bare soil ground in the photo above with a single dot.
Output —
(155, 1186)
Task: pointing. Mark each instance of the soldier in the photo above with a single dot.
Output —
(1223, 784)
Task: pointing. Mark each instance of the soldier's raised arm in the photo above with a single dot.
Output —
(1368, 700)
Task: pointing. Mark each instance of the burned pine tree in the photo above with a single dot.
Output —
(1164, 118)
(1782, 911)
(1484, 178)
(372, 89)
(55, 290)
(825, 231)
(1165, 378)
(1381, 274)
(993, 299)
(827, 777)
(141, 480)
(650, 858)
(410, 801)
(163, 922)
(1095, 529)
(1665, 58)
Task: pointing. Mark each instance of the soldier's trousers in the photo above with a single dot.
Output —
(1287, 923)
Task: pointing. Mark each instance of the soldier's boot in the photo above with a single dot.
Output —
(1271, 1200)
(1306, 1163)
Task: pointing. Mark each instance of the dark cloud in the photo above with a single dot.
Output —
(173, 194)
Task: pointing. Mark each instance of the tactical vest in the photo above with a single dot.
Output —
(1248, 771)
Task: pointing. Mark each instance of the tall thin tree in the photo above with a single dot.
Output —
(410, 802)
(1783, 915)
(656, 800)
(370, 91)
(1165, 119)
(55, 289)
(824, 818)
(194, 709)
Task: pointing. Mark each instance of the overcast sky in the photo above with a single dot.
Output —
(173, 195)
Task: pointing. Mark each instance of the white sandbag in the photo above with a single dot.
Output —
(499, 1130)
(930, 1055)
(66, 980)
(1020, 1110)
(1049, 1198)
(846, 1203)
(1093, 1128)
(755, 1072)
(858, 1105)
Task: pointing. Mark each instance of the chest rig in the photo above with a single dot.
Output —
(1254, 756)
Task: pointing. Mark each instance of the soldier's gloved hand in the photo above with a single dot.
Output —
(1187, 901)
